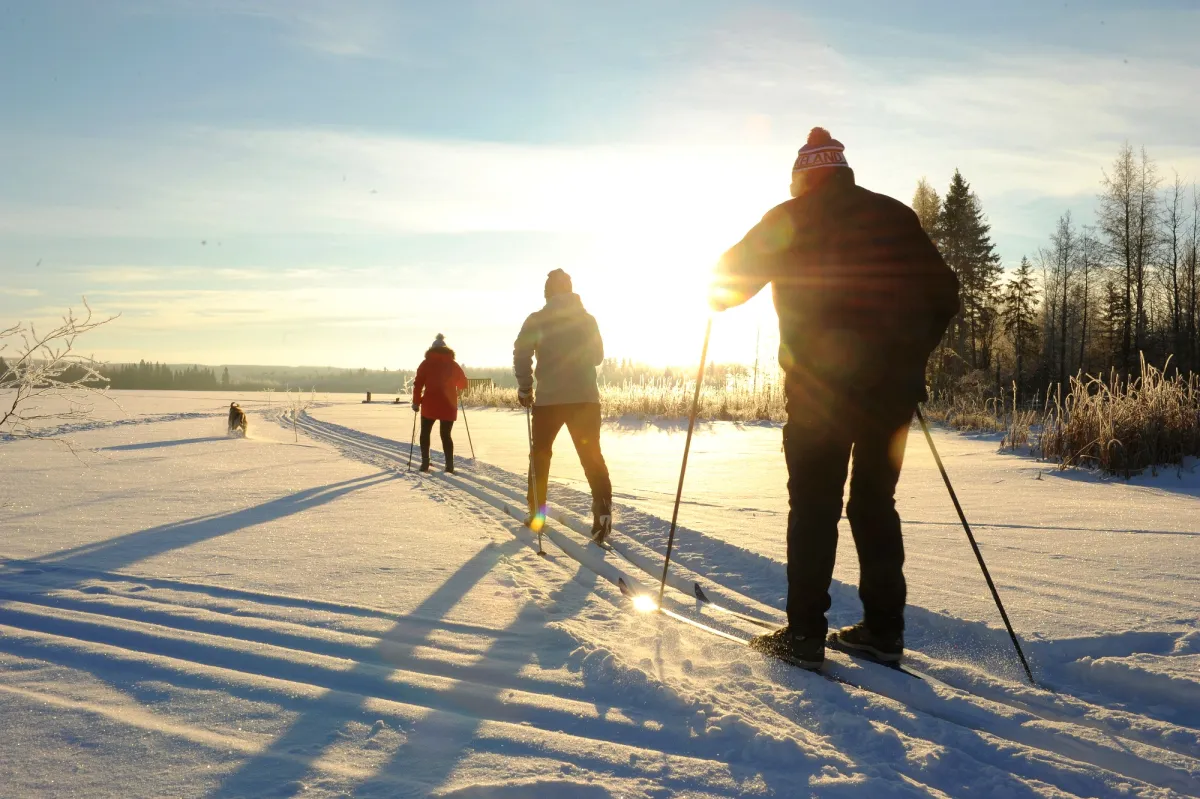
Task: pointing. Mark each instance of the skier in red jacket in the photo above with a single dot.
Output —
(435, 394)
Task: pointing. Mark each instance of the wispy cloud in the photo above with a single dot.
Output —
(19, 292)
(362, 29)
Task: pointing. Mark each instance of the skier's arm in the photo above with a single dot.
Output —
(460, 378)
(751, 263)
(597, 344)
(939, 284)
(523, 349)
(419, 384)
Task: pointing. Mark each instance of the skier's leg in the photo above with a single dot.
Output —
(426, 429)
(583, 423)
(444, 428)
(817, 454)
(878, 456)
(547, 421)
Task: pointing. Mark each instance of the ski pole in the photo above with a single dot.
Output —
(974, 546)
(533, 506)
(467, 425)
(687, 445)
(412, 440)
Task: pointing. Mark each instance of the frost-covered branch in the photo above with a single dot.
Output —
(47, 380)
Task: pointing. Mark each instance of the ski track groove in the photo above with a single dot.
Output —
(393, 683)
(362, 649)
(1082, 748)
(539, 741)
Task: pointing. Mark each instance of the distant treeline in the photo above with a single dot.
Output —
(143, 375)
(154, 376)
(160, 376)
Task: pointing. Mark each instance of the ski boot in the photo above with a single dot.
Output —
(424, 464)
(535, 520)
(860, 639)
(601, 522)
(805, 651)
(450, 465)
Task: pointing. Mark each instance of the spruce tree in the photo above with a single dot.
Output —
(1017, 312)
(964, 238)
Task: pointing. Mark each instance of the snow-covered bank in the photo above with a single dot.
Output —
(200, 616)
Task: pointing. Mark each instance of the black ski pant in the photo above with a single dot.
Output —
(583, 423)
(819, 446)
(444, 427)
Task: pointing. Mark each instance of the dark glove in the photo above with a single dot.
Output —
(416, 406)
(525, 397)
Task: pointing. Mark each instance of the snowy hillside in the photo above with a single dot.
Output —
(187, 614)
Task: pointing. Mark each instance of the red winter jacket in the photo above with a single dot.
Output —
(438, 381)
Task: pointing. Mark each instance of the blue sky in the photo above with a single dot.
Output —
(324, 182)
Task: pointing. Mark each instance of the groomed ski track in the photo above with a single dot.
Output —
(1056, 725)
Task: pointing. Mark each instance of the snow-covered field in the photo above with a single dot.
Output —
(187, 614)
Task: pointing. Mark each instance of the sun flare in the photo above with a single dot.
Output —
(644, 603)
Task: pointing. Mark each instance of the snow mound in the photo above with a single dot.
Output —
(1172, 681)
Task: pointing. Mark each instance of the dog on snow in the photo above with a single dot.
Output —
(237, 419)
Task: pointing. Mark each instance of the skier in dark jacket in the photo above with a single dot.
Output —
(863, 298)
(567, 343)
(435, 394)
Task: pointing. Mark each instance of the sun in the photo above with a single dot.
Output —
(650, 262)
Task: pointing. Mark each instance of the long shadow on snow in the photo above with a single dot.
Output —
(99, 424)
(424, 756)
(748, 572)
(424, 760)
(161, 444)
(115, 553)
(435, 743)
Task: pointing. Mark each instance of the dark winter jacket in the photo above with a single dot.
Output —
(438, 381)
(862, 294)
(567, 343)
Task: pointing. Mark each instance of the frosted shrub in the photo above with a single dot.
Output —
(1124, 427)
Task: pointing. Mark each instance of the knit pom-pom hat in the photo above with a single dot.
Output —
(821, 151)
(439, 343)
(557, 282)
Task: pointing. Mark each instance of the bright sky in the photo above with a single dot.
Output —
(336, 181)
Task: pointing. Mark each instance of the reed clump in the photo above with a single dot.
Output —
(669, 398)
(1121, 426)
(1118, 425)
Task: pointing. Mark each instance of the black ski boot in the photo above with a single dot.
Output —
(425, 464)
(805, 651)
(860, 639)
(601, 522)
(450, 465)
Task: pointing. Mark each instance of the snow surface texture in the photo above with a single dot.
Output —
(187, 614)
